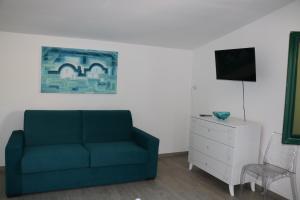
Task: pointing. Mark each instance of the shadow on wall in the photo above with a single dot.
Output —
(9, 121)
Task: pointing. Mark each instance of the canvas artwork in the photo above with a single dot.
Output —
(67, 70)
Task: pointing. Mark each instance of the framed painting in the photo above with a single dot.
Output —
(291, 124)
(65, 70)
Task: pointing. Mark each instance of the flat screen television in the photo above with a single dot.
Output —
(236, 64)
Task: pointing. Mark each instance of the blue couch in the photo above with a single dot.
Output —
(70, 149)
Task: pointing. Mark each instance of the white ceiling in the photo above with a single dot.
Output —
(170, 23)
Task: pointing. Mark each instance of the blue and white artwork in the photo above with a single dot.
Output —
(78, 71)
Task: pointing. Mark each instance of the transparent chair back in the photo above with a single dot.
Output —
(281, 155)
(279, 162)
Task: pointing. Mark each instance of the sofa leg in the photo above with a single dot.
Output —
(13, 195)
(151, 178)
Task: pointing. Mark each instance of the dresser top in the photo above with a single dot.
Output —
(230, 121)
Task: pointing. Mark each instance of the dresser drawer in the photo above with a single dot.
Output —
(210, 165)
(214, 131)
(214, 149)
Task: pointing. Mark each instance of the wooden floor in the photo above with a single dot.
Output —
(174, 182)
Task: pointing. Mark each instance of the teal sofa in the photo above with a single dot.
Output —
(71, 149)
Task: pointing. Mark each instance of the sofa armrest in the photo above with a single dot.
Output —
(13, 155)
(151, 144)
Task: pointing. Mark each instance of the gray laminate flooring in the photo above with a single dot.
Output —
(174, 182)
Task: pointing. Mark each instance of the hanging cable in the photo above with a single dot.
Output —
(244, 101)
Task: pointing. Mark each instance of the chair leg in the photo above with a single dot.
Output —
(242, 181)
(294, 186)
(266, 185)
(264, 182)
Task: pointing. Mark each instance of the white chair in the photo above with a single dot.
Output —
(279, 162)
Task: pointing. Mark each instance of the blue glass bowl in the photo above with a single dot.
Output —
(221, 115)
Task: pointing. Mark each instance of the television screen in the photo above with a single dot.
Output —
(236, 64)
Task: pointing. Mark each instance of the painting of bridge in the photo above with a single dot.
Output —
(67, 70)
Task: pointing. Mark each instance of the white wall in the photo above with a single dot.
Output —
(153, 82)
(264, 98)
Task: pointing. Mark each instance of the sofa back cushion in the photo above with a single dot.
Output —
(106, 125)
(44, 127)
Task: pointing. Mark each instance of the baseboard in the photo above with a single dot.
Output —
(164, 155)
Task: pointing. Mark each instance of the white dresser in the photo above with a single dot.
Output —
(222, 148)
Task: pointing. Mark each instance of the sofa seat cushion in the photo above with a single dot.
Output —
(54, 157)
(116, 153)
